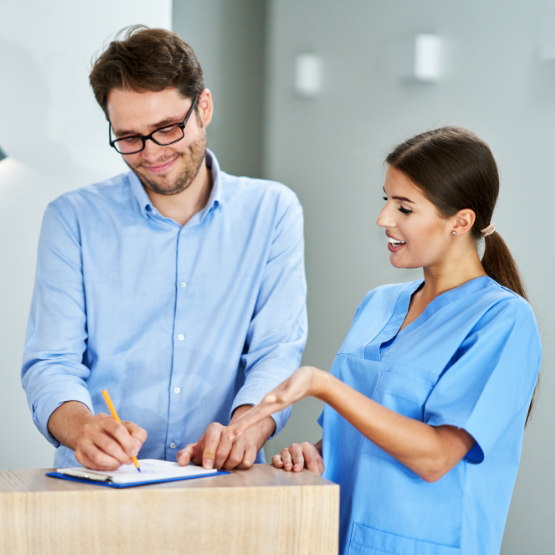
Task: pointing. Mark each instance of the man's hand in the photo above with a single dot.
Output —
(99, 442)
(106, 444)
(215, 449)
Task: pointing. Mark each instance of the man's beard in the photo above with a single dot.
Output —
(193, 157)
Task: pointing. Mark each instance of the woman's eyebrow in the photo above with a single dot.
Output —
(404, 198)
(400, 198)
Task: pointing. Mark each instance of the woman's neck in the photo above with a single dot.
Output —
(455, 271)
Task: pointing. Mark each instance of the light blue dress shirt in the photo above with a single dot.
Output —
(470, 360)
(180, 324)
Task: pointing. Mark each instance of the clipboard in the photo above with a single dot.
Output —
(152, 472)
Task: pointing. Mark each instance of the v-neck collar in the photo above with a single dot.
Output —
(391, 330)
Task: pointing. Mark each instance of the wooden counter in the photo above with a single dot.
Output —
(261, 511)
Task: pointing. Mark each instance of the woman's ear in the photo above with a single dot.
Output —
(463, 221)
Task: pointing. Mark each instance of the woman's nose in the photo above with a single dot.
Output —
(385, 218)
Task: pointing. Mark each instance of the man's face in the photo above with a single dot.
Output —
(165, 170)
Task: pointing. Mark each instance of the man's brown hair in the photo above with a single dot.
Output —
(146, 60)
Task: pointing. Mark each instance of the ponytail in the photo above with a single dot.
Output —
(500, 265)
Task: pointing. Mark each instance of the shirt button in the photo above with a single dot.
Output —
(182, 284)
(176, 389)
(181, 337)
(172, 445)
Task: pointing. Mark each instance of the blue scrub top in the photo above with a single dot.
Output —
(470, 360)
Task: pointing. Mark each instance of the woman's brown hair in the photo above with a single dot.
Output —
(456, 170)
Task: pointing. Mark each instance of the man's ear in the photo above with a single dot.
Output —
(205, 107)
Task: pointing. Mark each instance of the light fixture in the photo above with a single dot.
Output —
(308, 75)
(416, 58)
(2, 155)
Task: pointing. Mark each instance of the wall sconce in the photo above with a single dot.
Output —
(308, 75)
(427, 54)
(3, 155)
(416, 58)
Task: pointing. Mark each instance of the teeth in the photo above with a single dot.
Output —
(396, 242)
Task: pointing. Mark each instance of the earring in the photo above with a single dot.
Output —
(453, 232)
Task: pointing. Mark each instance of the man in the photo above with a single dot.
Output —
(178, 288)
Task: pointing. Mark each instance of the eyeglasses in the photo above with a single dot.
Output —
(162, 136)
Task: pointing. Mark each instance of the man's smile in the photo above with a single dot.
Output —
(161, 168)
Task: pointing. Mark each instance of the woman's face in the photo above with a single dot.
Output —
(419, 236)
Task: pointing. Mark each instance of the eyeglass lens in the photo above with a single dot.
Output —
(162, 137)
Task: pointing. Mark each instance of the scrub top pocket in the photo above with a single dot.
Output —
(368, 540)
(404, 389)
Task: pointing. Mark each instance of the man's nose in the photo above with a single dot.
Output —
(151, 151)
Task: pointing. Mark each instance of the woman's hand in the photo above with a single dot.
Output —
(304, 382)
(301, 456)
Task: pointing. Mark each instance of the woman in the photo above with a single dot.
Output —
(427, 398)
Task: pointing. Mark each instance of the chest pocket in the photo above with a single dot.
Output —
(403, 389)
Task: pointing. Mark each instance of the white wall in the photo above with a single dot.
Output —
(330, 150)
(56, 137)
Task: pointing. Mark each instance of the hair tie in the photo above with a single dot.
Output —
(488, 230)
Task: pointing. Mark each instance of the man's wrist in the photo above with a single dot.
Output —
(264, 428)
(67, 421)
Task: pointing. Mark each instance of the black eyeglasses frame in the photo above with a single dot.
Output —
(144, 138)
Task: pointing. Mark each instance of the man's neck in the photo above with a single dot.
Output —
(184, 205)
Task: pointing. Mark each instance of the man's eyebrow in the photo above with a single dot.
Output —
(401, 198)
(158, 124)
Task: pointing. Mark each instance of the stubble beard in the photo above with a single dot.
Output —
(193, 157)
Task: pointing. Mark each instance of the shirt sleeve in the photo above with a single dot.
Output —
(277, 332)
(52, 371)
(492, 378)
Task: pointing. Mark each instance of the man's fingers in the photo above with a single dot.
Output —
(138, 434)
(223, 450)
(89, 455)
(211, 441)
(185, 455)
(276, 461)
(109, 436)
(247, 459)
(121, 434)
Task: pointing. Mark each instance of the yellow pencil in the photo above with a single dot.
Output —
(115, 416)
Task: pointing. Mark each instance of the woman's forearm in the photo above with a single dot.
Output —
(428, 451)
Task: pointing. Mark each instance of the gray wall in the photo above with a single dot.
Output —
(229, 40)
(330, 150)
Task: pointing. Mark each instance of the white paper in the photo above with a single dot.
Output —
(151, 470)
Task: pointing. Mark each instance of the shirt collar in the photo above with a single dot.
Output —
(214, 199)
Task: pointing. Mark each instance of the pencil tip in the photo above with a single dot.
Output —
(139, 469)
